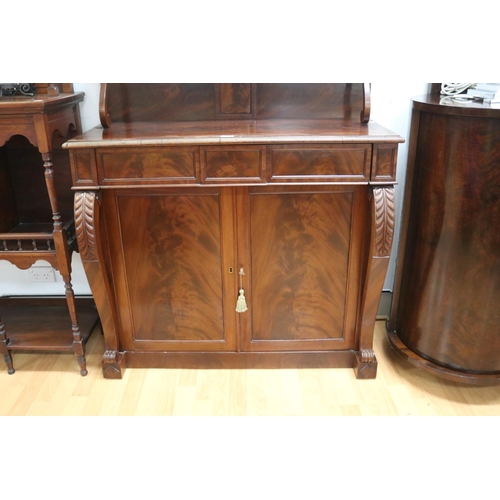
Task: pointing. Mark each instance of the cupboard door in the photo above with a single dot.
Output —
(174, 249)
(300, 251)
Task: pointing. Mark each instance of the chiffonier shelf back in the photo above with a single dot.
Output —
(153, 102)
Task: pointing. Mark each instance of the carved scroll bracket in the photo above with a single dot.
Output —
(85, 206)
(384, 213)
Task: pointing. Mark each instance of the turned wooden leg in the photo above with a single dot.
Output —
(64, 262)
(4, 349)
(78, 345)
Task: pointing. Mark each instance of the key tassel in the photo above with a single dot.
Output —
(241, 304)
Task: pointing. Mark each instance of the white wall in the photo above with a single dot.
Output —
(391, 107)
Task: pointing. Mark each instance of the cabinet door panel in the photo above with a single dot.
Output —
(175, 252)
(299, 259)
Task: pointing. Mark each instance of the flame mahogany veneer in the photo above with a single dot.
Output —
(184, 185)
(445, 316)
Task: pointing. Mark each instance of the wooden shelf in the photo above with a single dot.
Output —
(41, 228)
(44, 324)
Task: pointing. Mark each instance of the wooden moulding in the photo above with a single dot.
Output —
(441, 371)
(241, 360)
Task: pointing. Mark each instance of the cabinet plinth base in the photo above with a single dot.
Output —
(441, 371)
(114, 364)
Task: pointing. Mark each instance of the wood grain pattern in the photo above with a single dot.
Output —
(320, 163)
(83, 168)
(243, 163)
(214, 132)
(384, 162)
(235, 98)
(310, 100)
(451, 250)
(299, 265)
(173, 263)
(149, 164)
(22, 126)
(48, 386)
(132, 102)
(141, 102)
(302, 232)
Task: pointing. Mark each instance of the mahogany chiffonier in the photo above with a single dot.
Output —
(445, 316)
(235, 225)
(36, 220)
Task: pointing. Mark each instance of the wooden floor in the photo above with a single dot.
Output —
(50, 384)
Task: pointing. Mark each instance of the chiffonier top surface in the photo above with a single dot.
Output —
(176, 114)
(231, 131)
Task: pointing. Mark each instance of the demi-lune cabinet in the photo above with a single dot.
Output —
(445, 316)
(193, 197)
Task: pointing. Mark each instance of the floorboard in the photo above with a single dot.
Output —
(50, 384)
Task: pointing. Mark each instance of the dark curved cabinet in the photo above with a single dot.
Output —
(446, 310)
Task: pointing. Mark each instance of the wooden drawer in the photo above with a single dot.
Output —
(154, 165)
(319, 163)
(234, 164)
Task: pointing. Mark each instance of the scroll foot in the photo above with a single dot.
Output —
(365, 365)
(113, 365)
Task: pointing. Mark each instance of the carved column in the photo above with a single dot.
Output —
(382, 234)
(92, 241)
